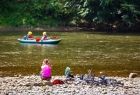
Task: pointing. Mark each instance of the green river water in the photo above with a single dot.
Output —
(114, 54)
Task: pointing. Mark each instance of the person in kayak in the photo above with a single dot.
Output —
(29, 36)
(46, 70)
(44, 37)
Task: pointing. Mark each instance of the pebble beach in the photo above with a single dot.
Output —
(32, 85)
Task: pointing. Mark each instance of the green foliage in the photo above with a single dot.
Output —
(65, 12)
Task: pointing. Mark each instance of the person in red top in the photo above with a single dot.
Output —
(30, 36)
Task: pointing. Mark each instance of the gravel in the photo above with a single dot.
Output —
(33, 85)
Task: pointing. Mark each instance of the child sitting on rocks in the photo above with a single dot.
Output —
(68, 74)
(85, 79)
(89, 78)
(46, 72)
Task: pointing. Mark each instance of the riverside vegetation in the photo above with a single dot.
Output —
(119, 15)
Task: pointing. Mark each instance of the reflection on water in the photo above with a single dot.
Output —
(38, 45)
(113, 54)
(42, 47)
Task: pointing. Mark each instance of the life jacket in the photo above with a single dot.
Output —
(45, 37)
(30, 36)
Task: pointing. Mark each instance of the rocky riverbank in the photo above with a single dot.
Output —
(32, 85)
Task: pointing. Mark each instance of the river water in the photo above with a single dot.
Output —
(114, 54)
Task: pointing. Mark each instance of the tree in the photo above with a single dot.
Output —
(107, 13)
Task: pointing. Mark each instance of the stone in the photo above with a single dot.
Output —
(133, 75)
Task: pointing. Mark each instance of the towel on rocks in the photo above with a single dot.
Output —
(57, 81)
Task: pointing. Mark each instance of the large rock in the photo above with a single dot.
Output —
(133, 75)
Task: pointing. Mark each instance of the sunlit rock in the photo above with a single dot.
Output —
(133, 75)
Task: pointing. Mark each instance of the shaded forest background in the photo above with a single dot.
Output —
(105, 15)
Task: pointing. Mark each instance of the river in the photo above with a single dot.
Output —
(114, 54)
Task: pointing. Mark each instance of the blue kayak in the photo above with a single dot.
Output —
(49, 41)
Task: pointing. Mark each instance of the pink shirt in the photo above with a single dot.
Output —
(46, 71)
